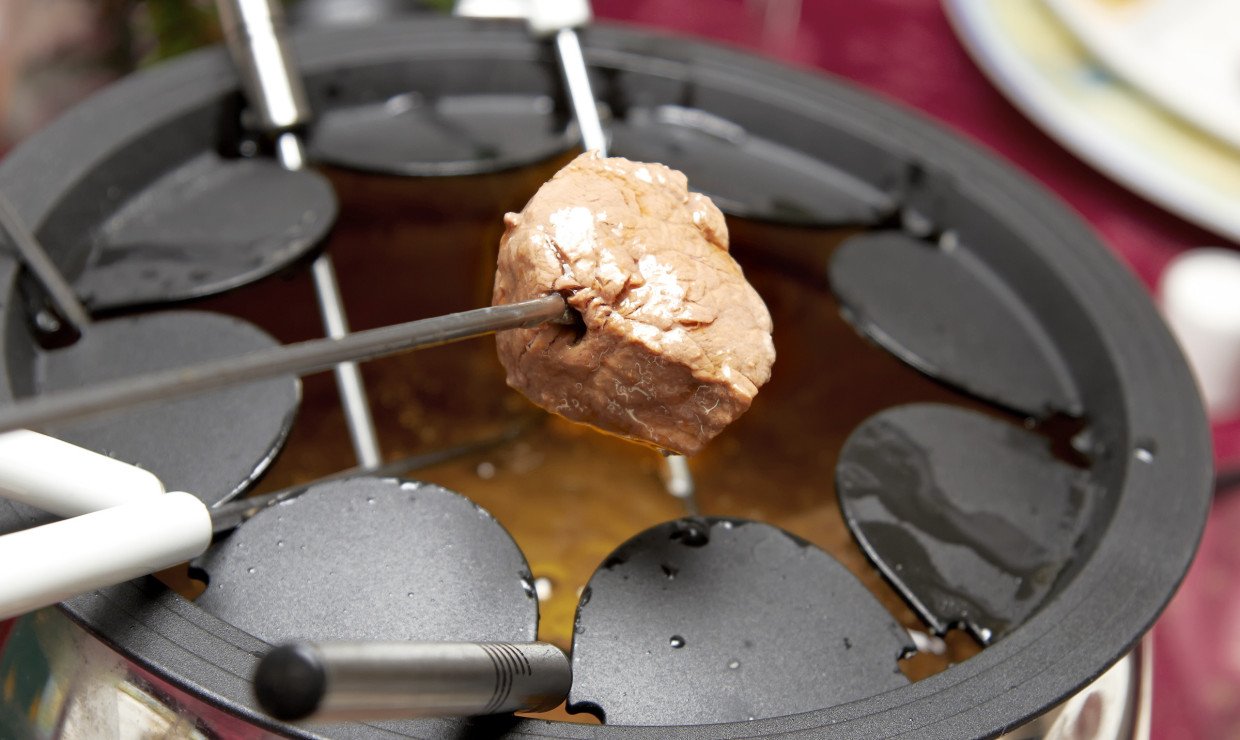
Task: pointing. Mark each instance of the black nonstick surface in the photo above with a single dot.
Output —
(1131, 381)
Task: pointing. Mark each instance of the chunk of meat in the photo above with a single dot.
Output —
(675, 343)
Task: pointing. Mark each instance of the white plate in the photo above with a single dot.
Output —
(1053, 79)
(1183, 53)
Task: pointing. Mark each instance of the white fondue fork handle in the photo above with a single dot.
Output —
(67, 480)
(48, 564)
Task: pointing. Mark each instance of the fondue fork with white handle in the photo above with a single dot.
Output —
(47, 564)
(131, 527)
(67, 480)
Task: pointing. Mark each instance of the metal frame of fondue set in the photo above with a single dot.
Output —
(1143, 412)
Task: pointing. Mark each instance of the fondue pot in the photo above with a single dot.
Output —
(800, 163)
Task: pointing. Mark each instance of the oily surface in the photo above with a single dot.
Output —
(674, 343)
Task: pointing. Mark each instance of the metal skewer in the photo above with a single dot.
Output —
(580, 94)
(255, 33)
(59, 291)
(299, 359)
(678, 480)
(560, 19)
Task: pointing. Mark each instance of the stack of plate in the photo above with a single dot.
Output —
(1144, 90)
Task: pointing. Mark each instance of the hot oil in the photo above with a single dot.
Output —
(407, 249)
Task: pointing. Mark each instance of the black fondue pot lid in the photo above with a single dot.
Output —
(174, 219)
(412, 135)
(373, 559)
(938, 307)
(1151, 445)
(713, 620)
(970, 517)
(744, 174)
(214, 445)
(209, 225)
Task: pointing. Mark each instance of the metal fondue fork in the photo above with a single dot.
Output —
(560, 20)
(124, 525)
(301, 358)
(255, 33)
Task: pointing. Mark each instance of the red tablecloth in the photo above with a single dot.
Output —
(905, 50)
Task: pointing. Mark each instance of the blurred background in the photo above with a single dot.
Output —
(1112, 104)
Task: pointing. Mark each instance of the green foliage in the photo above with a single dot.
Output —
(166, 28)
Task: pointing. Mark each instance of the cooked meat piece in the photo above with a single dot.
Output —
(675, 343)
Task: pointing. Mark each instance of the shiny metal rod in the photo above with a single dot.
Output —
(254, 30)
(36, 260)
(298, 359)
(348, 376)
(334, 682)
(349, 383)
(580, 94)
(677, 478)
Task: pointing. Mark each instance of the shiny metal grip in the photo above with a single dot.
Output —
(330, 682)
(254, 30)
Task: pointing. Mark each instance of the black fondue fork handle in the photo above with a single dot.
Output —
(339, 681)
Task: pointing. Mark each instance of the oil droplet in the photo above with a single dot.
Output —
(485, 470)
(677, 641)
(279, 543)
(410, 594)
(543, 587)
(734, 664)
